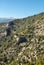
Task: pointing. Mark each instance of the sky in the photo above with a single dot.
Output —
(20, 8)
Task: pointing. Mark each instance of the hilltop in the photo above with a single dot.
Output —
(22, 41)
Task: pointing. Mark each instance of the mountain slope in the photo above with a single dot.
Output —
(22, 41)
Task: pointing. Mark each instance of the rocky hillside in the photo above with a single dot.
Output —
(22, 41)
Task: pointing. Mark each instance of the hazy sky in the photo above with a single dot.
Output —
(20, 8)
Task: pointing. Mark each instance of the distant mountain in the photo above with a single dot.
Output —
(6, 19)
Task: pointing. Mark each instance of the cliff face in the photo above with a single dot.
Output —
(22, 41)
